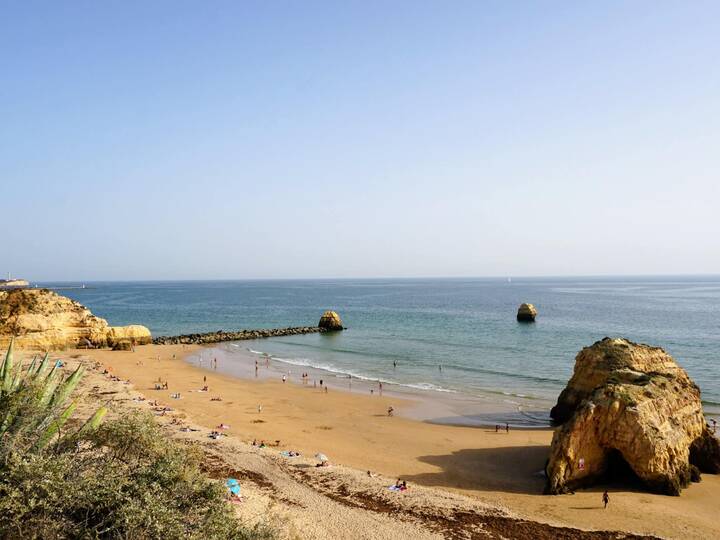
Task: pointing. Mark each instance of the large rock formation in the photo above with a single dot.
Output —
(629, 405)
(526, 313)
(330, 321)
(42, 319)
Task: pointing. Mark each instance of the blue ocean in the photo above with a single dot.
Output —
(446, 338)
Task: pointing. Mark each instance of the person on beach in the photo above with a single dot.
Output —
(326, 389)
(320, 382)
(284, 378)
(714, 425)
(507, 427)
(390, 411)
(259, 409)
(204, 378)
(605, 498)
(380, 387)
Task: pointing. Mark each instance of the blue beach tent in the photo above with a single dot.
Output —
(233, 485)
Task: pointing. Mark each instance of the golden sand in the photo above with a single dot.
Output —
(354, 430)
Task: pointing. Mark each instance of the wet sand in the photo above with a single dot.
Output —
(500, 469)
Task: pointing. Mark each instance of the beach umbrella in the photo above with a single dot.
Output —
(233, 485)
(322, 457)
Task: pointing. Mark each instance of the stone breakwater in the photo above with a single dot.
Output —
(220, 335)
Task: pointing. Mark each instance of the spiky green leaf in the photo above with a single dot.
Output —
(7, 367)
(41, 368)
(55, 426)
(94, 421)
(31, 367)
(66, 388)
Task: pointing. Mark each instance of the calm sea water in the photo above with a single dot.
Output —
(467, 326)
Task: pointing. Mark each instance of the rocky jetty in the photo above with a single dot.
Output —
(526, 313)
(629, 409)
(221, 335)
(43, 319)
(330, 320)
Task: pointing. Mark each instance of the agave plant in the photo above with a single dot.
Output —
(34, 403)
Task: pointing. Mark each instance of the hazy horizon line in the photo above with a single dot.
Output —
(379, 278)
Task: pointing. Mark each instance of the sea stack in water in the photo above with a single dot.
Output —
(42, 319)
(526, 313)
(330, 320)
(629, 407)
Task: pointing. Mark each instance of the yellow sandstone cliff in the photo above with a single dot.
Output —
(42, 319)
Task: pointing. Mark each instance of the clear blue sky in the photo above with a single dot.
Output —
(164, 140)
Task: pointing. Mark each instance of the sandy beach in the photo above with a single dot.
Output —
(497, 470)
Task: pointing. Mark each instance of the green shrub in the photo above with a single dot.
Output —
(121, 479)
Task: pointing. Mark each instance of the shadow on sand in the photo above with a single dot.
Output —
(514, 469)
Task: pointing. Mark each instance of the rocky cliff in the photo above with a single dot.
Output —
(629, 408)
(42, 319)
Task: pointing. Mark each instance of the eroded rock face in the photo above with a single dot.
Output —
(526, 313)
(330, 321)
(632, 403)
(43, 319)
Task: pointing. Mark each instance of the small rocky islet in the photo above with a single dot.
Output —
(526, 313)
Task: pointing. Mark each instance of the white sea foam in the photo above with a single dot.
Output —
(345, 373)
(429, 386)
